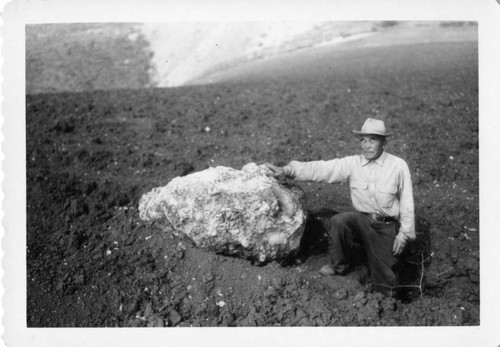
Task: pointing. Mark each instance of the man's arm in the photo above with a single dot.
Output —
(406, 210)
(331, 171)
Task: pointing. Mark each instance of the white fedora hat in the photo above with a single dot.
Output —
(373, 127)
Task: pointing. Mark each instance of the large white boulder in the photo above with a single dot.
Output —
(246, 212)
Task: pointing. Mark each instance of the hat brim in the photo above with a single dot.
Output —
(363, 133)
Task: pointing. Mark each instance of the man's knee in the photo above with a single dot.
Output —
(342, 219)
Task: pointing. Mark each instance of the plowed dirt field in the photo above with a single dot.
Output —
(91, 262)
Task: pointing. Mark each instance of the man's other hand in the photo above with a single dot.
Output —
(276, 170)
(398, 246)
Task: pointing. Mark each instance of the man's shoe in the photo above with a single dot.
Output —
(389, 292)
(327, 270)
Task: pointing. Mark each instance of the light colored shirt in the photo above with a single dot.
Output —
(380, 186)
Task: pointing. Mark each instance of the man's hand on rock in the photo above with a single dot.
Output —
(276, 170)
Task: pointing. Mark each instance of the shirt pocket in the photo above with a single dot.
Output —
(359, 191)
(386, 194)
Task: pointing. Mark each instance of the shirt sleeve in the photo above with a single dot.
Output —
(406, 205)
(331, 171)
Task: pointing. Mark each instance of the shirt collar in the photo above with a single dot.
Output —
(379, 160)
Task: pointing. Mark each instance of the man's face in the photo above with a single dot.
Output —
(372, 146)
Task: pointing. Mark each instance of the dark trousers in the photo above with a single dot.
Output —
(351, 230)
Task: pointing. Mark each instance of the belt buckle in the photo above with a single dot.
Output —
(377, 217)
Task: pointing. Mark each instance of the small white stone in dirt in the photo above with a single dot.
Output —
(359, 296)
(108, 252)
(147, 238)
(221, 303)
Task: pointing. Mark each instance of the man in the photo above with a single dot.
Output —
(382, 197)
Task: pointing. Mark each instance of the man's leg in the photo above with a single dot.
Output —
(348, 230)
(378, 242)
(344, 238)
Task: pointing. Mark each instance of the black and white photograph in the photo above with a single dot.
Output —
(241, 177)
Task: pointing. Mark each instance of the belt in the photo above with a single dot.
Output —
(377, 217)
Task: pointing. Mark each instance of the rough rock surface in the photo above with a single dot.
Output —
(244, 213)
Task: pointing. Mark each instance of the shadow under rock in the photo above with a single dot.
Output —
(315, 238)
